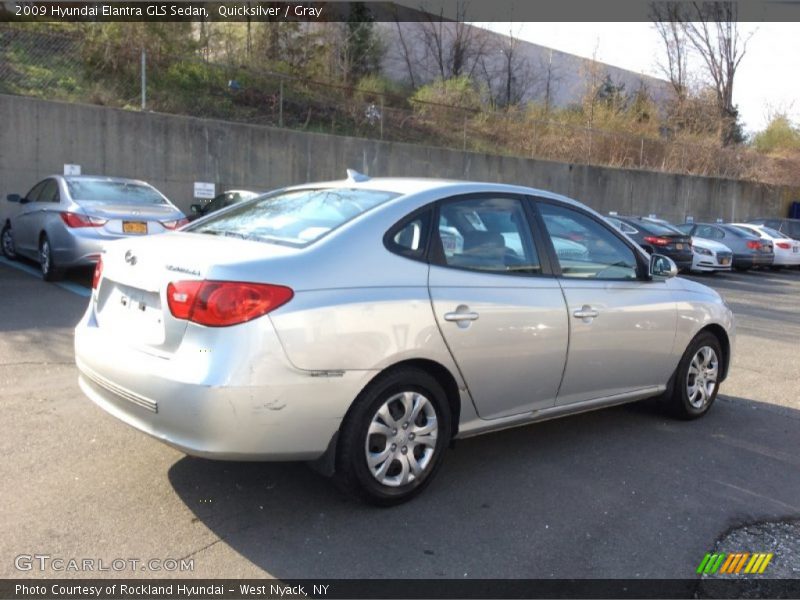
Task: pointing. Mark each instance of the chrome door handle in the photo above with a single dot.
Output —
(461, 316)
(586, 313)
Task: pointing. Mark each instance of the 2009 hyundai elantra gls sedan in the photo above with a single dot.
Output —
(364, 324)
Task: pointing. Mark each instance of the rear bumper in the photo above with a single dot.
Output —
(248, 403)
(746, 261)
(787, 259)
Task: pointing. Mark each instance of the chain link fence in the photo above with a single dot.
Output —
(63, 66)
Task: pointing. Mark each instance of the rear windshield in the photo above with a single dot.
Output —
(292, 217)
(113, 192)
(772, 232)
(740, 232)
(658, 228)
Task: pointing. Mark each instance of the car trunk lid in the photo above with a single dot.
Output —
(131, 299)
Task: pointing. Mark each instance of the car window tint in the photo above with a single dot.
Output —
(586, 248)
(685, 228)
(33, 194)
(488, 234)
(49, 192)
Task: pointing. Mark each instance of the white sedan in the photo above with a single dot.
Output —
(786, 249)
(709, 256)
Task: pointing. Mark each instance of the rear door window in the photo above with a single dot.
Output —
(490, 234)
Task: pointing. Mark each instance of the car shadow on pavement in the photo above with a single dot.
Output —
(595, 495)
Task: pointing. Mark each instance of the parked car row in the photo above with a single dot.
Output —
(711, 247)
(66, 221)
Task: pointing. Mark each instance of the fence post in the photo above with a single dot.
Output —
(464, 145)
(641, 154)
(382, 117)
(280, 104)
(144, 79)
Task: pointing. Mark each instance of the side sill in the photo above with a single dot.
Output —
(478, 426)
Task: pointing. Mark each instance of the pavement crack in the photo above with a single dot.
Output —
(199, 550)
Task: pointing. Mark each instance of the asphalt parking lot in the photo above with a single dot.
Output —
(623, 492)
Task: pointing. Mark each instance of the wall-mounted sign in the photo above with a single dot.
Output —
(651, 216)
(690, 219)
(72, 169)
(720, 220)
(204, 190)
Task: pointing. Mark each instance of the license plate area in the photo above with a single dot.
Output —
(679, 246)
(132, 313)
(724, 261)
(134, 227)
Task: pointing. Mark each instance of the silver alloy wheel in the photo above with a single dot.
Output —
(8, 242)
(702, 376)
(401, 439)
(44, 256)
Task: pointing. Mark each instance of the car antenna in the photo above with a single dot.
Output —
(355, 176)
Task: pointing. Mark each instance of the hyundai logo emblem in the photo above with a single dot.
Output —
(130, 258)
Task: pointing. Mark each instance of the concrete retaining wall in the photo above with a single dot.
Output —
(37, 137)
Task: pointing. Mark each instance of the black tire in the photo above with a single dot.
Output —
(7, 243)
(679, 401)
(50, 272)
(352, 471)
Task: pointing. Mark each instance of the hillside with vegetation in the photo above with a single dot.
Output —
(327, 78)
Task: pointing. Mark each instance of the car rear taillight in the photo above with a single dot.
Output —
(783, 245)
(74, 220)
(656, 241)
(98, 273)
(754, 244)
(224, 303)
(175, 224)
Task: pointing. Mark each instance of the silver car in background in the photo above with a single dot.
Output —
(66, 221)
(364, 324)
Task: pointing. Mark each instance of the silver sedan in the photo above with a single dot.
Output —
(65, 221)
(364, 324)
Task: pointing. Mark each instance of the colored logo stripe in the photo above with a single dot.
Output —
(734, 563)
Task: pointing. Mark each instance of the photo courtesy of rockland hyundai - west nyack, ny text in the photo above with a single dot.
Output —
(399, 300)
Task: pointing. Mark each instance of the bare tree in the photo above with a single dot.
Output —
(712, 30)
(406, 52)
(506, 70)
(715, 36)
(456, 47)
(666, 18)
(551, 80)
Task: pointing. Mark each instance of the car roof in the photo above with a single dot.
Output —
(406, 186)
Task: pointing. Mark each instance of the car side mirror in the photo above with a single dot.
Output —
(13, 198)
(662, 266)
(195, 208)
